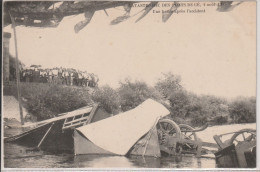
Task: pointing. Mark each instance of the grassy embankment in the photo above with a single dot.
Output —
(44, 101)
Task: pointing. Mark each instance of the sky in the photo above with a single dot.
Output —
(213, 52)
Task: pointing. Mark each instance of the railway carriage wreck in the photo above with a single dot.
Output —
(142, 131)
(55, 134)
(90, 130)
(132, 131)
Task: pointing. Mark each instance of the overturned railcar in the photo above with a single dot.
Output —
(56, 134)
(143, 130)
(133, 132)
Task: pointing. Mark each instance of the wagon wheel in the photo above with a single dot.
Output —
(243, 135)
(166, 128)
(187, 133)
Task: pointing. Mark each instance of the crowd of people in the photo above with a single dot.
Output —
(66, 76)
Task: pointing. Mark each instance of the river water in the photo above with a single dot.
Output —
(16, 156)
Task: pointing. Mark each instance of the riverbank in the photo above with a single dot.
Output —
(44, 101)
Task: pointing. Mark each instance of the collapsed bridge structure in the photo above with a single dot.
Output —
(143, 130)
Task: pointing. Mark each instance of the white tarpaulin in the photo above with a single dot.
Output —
(119, 133)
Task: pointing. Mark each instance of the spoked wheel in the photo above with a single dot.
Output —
(243, 135)
(166, 128)
(187, 133)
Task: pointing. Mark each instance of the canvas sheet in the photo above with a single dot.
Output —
(119, 133)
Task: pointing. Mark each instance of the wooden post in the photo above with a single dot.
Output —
(45, 135)
(199, 149)
(6, 58)
(92, 113)
(17, 70)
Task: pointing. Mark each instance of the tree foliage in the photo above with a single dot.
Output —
(108, 98)
(220, 120)
(198, 119)
(168, 84)
(243, 110)
(179, 103)
(45, 101)
(134, 93)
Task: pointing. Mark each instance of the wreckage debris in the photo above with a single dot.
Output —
(142, 131)
(237, 152)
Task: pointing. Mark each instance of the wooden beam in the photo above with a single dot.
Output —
(92, 113)
(17, 71)
(45, 135)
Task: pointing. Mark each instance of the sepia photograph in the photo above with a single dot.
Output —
(128, 85)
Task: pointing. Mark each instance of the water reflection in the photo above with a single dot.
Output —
(97, 161)
(182, 161)
(145, 162)
(23, 157)
(16, 156)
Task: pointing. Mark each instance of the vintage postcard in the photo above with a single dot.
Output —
(128, 85)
